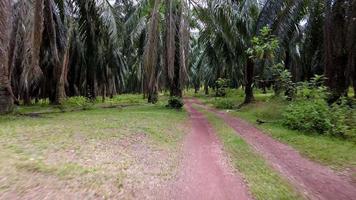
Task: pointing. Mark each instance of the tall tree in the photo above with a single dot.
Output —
(177, 44)
(32, 74)
(151, 55)
(175, 36)
(6, 101)
(336, 55)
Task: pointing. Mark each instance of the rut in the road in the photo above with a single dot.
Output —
(205, 172)
(312, 179)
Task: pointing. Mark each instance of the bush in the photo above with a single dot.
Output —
(221, 87)
(78, 101)
(175, 102)
(343, 118)
(312, 116)
(125, 99)
(224, 103)
(315, 115)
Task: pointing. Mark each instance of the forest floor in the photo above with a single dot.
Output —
(127, 149)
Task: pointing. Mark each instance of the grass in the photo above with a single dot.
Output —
(81, 103)
(262, 180)
(85, 145)
(332, 151)
(335, 152)
(63, 171)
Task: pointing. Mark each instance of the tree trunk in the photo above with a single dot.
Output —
(176, 51)
(196, 88)
(351, 43)
(206, 88)
(336, 58)
(249, 81)
(153, 95)
(151, 57)
(60, 57)
(6, 100)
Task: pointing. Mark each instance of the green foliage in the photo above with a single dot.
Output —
(125, 99)
(224, 103)
(175, 102)
(310, 112)
(308, 115)
(79, 101)
(314, 89)
(264, 46)
(344, 119)
(283, 81)
(221, 87)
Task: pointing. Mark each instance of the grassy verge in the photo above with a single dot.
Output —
(262, 180)
(334, 152)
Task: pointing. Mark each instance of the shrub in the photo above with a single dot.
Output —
(312, 116)
(125, 99)
(224, 103)
(283, 81)
(175, 102)
(221, 87)
(343, 118)
(78, 101)
(315, 115)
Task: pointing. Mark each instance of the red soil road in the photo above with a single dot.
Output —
(312, 179)
(205, 172)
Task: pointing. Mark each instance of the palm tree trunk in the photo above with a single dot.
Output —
(249, 81)
(32, 73)
(335, 57)
(151, 55)
(6, 101)
(60, 57)
(351, 44)
(206, 88)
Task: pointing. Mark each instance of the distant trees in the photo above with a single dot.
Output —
(62, 48)
(173, 52)
(57, 48)
(228, 27)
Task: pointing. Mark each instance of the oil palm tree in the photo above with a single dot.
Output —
(339, 46)
(6, 101)
(174, 39)
(230, 26)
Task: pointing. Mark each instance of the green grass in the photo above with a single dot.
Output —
(81, 103)
(58, 130)
(262, 180)
(331, 151)
(63, 171)
(30, 144)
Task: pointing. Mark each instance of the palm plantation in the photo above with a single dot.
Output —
(92, 95)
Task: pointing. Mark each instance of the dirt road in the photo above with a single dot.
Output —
(205, 172)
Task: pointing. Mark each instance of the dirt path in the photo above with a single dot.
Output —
(205, 172)
(314, 180)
